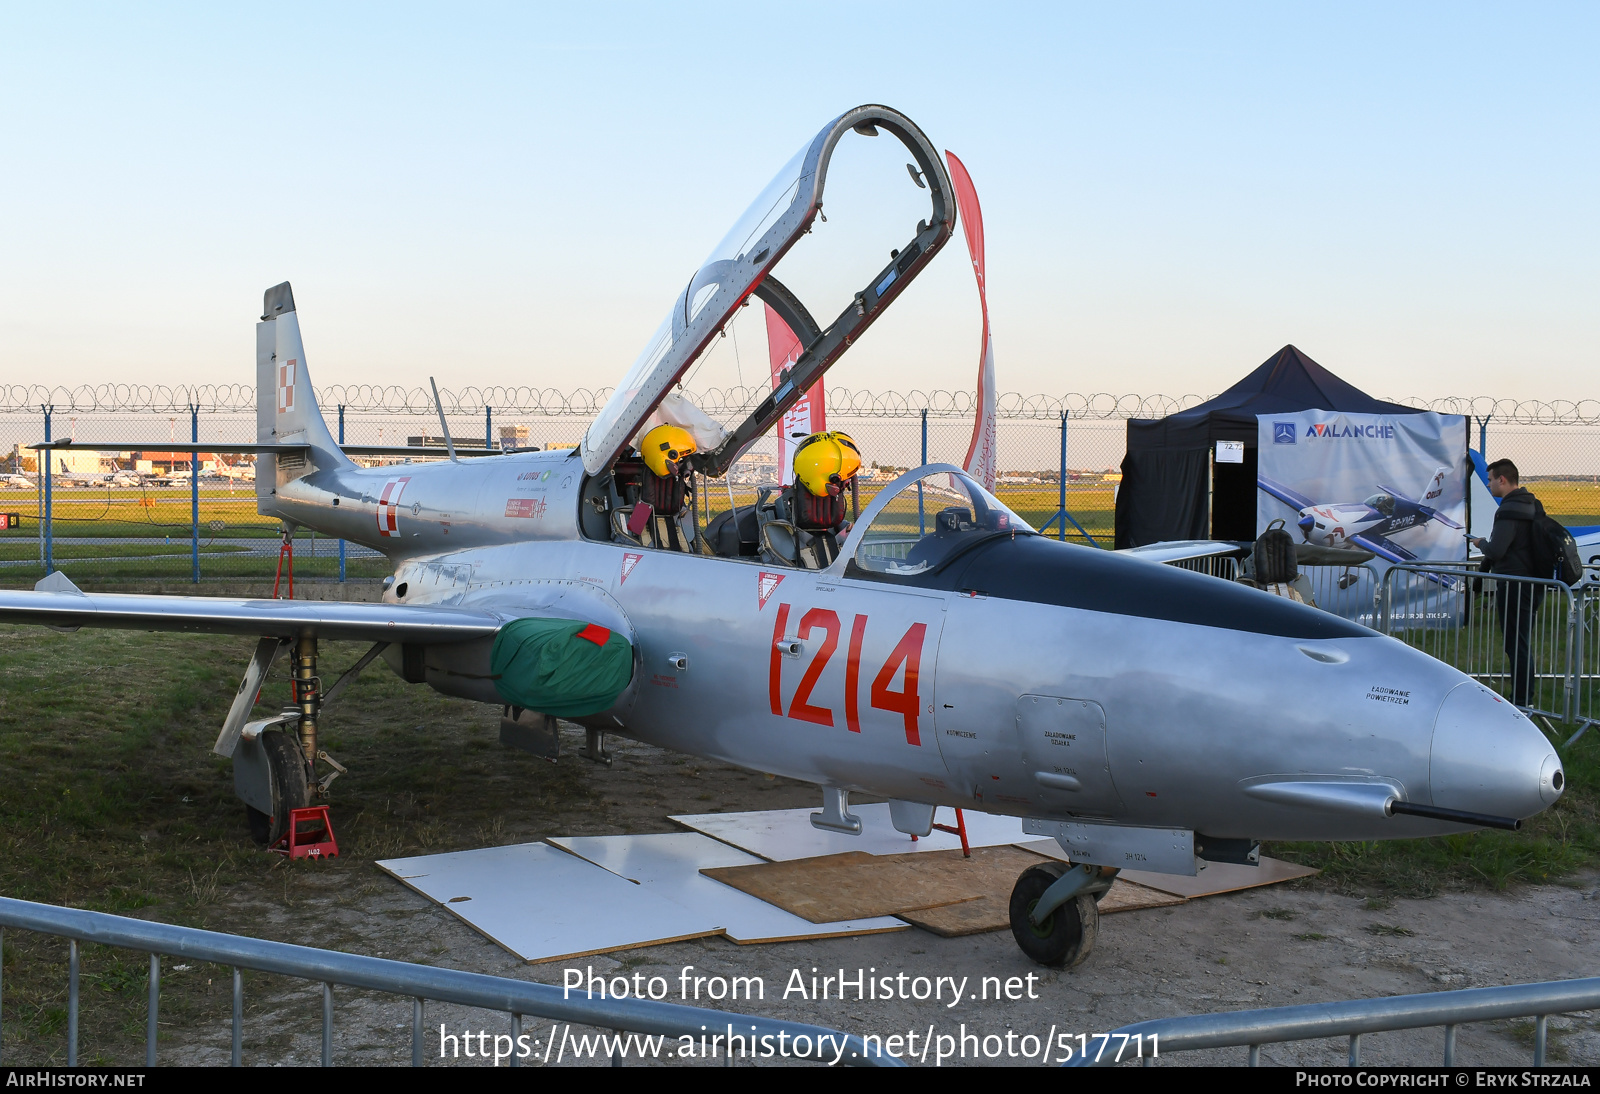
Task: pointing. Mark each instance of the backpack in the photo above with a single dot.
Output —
(1273, 560)
(1555, 551)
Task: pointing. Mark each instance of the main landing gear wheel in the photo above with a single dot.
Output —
(1065, 938)
(290, 789)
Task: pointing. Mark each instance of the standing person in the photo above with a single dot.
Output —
(1510, 551)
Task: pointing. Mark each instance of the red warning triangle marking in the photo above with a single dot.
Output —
(766, 584)
(629, 561)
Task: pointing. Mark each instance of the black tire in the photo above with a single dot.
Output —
(1065, 938)
(290, 789)
(260, 824)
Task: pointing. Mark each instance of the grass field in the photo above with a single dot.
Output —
(111, 799)
(68, 551)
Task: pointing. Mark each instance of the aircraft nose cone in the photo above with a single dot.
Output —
(1305, 523)
(1488, 758)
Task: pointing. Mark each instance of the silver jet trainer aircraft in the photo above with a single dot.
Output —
(938, 652)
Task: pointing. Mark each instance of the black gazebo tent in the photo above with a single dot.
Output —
(1168, 475)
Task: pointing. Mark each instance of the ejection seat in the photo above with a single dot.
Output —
(662, 517)
(794, 528)
(1273, 566)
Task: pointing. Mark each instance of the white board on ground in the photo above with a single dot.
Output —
(668, 865)
(544, 904)
(784, 834)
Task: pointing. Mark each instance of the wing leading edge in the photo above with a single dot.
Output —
(1287, 495)
(260, 618)
(1387, 548)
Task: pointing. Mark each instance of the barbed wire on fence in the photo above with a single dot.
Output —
(584, 403)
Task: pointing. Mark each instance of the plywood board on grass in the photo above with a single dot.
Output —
(669, 865)
(856, 884)
(785, 834)
(1217, 877)
(1130, 896)
(543, 904)
(993, 912)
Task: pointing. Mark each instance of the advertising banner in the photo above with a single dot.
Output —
(809, 413)
(1394, 485)
(982, 457)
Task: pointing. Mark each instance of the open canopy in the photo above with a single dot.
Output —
(1167, 475)
(741, 266)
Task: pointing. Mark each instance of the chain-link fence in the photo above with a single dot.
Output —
(138, 513)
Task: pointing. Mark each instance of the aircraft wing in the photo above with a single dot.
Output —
(1290, 497)
(1387, 548)
(260, 618)
(1183, 549)
(438, 451)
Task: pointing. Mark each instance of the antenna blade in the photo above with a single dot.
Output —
(449, 445)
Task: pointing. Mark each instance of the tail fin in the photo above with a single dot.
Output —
(1435, 489)
(286, 406)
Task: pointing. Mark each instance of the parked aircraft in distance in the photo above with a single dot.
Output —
(934, 651)
(178, 476)
(21, 482)
(115, 477)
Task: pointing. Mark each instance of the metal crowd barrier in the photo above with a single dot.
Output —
(1253, 1028)
(516, 998)
(1224, 566)
(1347, 591)
(1586, 653)
(1449, 611)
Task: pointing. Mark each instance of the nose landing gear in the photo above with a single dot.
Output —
(1054, 914)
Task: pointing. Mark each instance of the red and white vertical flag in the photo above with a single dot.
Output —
(809, 414)
(981, 455)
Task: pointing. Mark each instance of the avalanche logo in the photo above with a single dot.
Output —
(1283, 433)
(286, 385)
(1331, 431)
(388, 504)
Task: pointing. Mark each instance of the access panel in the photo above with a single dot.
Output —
(1063, 743)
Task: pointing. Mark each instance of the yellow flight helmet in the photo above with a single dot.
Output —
(825, 462)
(664, 447)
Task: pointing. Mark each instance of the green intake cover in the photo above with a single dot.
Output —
(544, 665)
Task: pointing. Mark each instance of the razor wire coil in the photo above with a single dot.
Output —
(585, 403)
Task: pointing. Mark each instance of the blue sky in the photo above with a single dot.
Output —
(513, 194)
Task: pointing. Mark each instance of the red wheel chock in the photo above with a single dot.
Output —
(310, 834)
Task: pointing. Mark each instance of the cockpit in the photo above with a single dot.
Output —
(931, 516)
(1383, 503)
(627, 501)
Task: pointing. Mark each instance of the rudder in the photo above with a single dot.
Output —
(286, 405)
